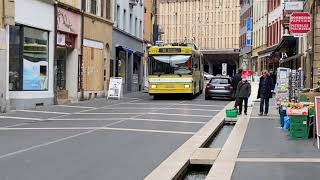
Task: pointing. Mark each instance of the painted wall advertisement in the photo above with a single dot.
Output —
(35, 75)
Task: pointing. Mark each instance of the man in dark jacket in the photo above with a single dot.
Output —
(243, 93)
(264, 92)
(235, 81)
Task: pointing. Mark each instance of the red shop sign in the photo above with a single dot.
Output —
(300, 23)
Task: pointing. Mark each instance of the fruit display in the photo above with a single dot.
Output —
(299, 105)
(298, 109)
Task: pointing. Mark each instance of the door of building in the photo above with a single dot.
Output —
(61, 68)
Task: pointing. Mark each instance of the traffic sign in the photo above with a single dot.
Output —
(300, 23)
(224, 69)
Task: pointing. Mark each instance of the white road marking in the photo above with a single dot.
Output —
(88, 113)
(95, 108)
(169, 121)
(203, 105)
(191, 115)
(264, 117)
(100, 128)
(53, 142)
(87, 119)
(164, 104)
(279, 160)
(137, 108)
(130, 119)
(182, 104)
(20, 118)
(80, 107)
(45, 112)
(15, 125)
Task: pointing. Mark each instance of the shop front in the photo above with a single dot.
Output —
(264, 59)
(287, 53)
(128, 64)
(68, 52)
(96, 57)
(31, 51)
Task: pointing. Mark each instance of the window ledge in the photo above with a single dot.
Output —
(128, 34)
(99, 18)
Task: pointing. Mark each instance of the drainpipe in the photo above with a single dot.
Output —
(81, 51)
(267, 34)
(55, 99)
(313, 39)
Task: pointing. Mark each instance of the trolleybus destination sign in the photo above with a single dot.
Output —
(300, 23)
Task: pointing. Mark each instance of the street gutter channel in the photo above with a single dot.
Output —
(177, 166)
(196, 172)
(220, 138)
(217, 140)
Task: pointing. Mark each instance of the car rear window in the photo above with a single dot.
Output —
(220, 81)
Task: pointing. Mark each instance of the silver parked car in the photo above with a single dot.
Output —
(219, 87)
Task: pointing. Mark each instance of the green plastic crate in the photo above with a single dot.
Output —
(232, 113)
(312, 112)
(297, 133)
(296, 128)
(298, 120)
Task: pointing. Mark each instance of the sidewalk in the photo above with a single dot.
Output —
(267, 152)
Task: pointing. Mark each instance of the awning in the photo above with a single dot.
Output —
(290, 58)
(128, 50)
(286, 41)
(268, 50)
(265, 55)
(139, 53)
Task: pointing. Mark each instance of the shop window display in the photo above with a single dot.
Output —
(29, 59)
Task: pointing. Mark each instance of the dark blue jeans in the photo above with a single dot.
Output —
(264, 102)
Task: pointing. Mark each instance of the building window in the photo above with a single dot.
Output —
(108, 9)
(28, 59)
(136, 27)
(118, 16)
(140, 29)
(94, 7)
(124, 19)
(130, 24)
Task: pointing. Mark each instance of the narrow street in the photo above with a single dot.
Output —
(98, 139)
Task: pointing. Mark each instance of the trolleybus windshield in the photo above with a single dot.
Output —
(174, 64)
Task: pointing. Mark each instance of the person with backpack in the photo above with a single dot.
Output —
(243, 93)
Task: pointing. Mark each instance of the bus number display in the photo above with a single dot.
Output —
(170, 50)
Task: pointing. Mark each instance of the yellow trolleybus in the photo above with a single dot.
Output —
(175, 69)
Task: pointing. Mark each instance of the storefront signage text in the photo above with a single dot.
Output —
(300, 23)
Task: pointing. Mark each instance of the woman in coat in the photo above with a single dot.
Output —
(265, 93)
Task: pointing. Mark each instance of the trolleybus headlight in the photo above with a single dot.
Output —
(186, 86)
(153, 86)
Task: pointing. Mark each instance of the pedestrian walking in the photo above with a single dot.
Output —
(243, 94)
(264, 92)
(235, 81)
